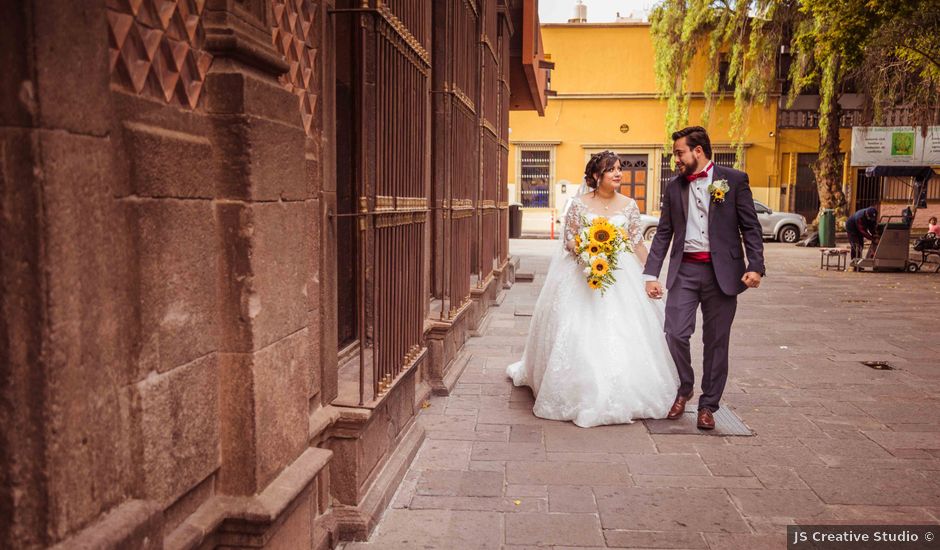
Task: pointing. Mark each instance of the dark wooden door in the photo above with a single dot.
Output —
(805, 194)
(633, 179)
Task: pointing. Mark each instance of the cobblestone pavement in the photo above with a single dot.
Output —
(836, 442)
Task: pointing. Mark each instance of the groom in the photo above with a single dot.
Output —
(707, 211)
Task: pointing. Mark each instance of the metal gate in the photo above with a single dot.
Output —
(391, 86)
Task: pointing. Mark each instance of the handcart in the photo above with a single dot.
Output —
(890, 251)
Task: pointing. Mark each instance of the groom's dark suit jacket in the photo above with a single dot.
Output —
(729, 224)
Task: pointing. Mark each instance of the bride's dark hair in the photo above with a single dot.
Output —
(600, 163)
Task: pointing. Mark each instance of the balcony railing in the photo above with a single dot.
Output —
(809, 118)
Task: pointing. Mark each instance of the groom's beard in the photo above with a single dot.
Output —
(684, 169)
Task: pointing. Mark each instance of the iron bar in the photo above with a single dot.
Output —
(361, 232)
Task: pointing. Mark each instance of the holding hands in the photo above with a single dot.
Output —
(654, 290)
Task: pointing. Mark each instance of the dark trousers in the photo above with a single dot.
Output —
(696, 284)
(856, 242)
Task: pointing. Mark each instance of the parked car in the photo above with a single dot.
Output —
(648, 225)
(782, 226)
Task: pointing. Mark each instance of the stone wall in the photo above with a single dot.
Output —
(162, 308)
(168, 352)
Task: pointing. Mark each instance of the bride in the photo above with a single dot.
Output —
(590, 358)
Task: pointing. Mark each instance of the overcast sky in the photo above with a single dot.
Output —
(599, 11)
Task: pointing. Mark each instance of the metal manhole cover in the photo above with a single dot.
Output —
(726, 423)
(877, 365)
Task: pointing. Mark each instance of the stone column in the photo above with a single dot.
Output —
(68, 340)
(321, 174)
(258, 141)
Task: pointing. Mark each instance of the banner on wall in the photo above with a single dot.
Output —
(895, 146)
(932, 146)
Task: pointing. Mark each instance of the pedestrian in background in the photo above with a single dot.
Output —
(932, 226)
(860, 226)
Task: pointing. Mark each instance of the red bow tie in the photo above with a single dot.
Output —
(697, 175)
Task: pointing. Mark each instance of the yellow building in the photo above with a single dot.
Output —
(607, 99)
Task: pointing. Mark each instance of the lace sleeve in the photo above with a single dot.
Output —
(572, 222)
(634, 224)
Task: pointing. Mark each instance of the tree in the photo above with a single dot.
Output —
(902, 63)
(830, 41)
(828, 45)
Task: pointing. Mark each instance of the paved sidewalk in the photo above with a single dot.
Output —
(837, 442)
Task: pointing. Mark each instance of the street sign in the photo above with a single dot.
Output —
(895, 146)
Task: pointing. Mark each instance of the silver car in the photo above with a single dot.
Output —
(782, 226)
(648, 226)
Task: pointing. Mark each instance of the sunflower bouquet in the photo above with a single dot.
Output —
(598, 246)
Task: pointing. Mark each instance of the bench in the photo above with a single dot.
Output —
(841, 256)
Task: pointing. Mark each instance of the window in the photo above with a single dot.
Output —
(535, 177)
(724, 85)
(725, 159)
(901, 188)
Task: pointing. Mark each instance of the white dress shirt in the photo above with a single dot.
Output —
(696, 228)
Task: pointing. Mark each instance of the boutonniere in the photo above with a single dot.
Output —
(718, 189)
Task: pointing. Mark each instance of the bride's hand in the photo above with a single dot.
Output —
(654, 290)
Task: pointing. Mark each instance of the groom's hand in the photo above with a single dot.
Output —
(654, 290)
(751, 279)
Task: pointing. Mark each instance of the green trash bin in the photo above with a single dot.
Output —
(827, 228)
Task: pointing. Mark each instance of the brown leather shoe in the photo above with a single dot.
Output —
(705, 420)
(678, 407)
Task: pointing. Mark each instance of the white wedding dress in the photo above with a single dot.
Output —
(597, 359)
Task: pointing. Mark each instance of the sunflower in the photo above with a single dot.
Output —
(594, 283)
(602, 232)
(594, 248)
(719, 195)
(600, 267)
(577, 241)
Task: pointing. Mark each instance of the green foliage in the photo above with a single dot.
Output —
(725, 30)
(901, 64)
(890, 49)
(830, 40)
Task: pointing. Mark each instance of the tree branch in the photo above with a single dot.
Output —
(926, 56)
